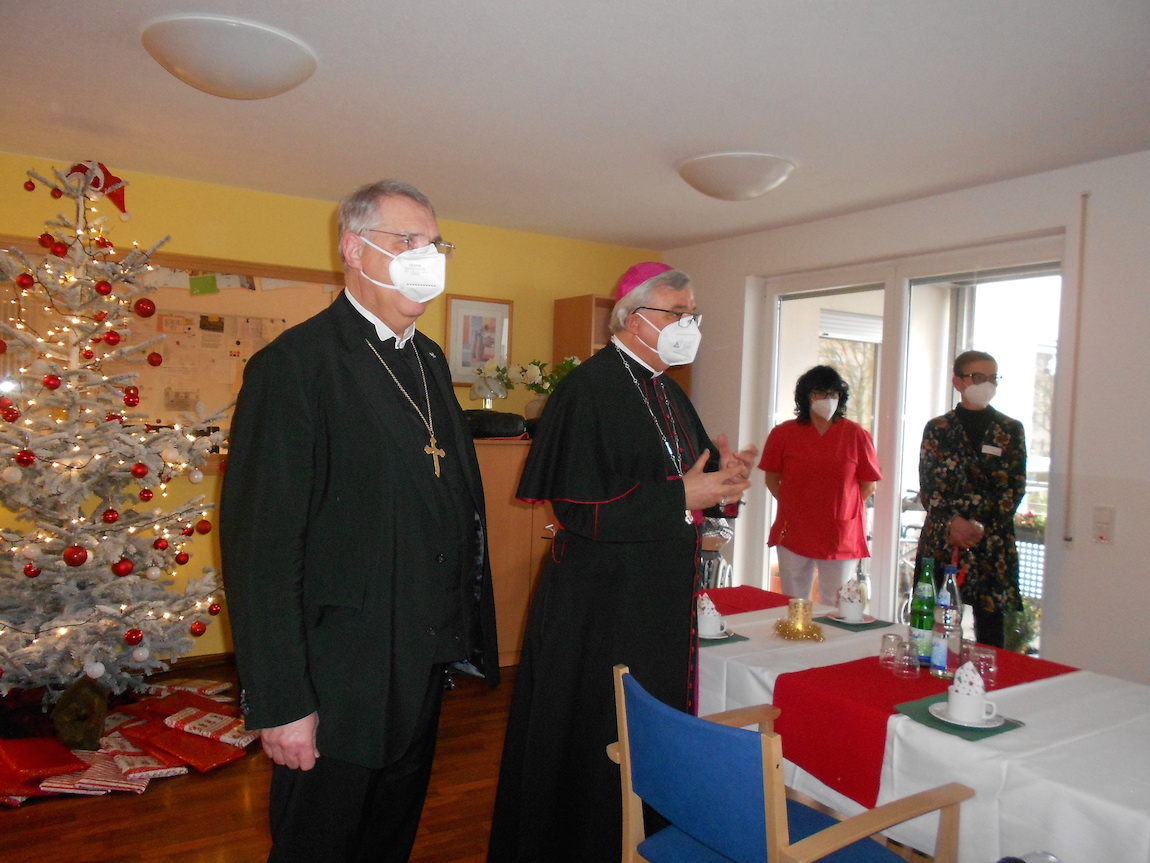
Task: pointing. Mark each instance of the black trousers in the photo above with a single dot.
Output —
(989, 627)
(339, 812)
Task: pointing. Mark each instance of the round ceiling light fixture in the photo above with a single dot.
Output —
(735, 176)
(229, 57)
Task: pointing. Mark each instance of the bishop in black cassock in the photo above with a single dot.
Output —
(610, 454)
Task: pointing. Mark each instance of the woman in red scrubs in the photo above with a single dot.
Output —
(821, 468)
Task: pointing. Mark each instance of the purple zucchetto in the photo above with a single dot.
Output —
(637, 275)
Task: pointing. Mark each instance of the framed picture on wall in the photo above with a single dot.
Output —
(478, 330)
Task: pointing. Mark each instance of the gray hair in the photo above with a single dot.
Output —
(676, 280)
(357, 212)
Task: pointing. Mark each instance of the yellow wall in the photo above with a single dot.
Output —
(221, 222)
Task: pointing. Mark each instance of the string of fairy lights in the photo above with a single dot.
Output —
(90, 582)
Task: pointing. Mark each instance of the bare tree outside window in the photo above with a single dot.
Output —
(856, 362)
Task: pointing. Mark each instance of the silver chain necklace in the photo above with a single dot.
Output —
(432, 449)
(673, 452)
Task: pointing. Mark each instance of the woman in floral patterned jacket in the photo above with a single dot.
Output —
(972, 477)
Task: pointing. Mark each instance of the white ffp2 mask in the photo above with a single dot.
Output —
(979, 395)
(824, 407)
(418, 274)
(677, 345)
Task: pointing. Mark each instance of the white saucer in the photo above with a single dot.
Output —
(725, 633)
(938, 711)
(866, 618)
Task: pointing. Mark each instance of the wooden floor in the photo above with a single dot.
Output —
(221, 817)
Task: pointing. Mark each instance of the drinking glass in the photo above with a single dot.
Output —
(906, 659)
(985, 661)
(886, 651)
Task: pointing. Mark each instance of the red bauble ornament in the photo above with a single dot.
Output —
(24, 281)
(24, 458)
(161, 544)
(10, 414)
(188, 531)
(46, 240)
(114, 418)
(203, 526)
(55, 193)
(103, 288)
(31, 570)
(155, 359)
(112, 338)
(144, 307)
(29, 186)
(5, 402)
(52, 382)
(131, 401)
(198, 628)
(139, 470)
(59, 249)
(75, 555)
(183, 557)
(98, 318)
(123, 567)
(133, 637)
(110, 516)
(131, 391)
(104, 243)
(3, 347)
(87, 353)
(146, 494)
(215, 608)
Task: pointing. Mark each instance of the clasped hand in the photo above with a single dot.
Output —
(704, 490)
(965, 533)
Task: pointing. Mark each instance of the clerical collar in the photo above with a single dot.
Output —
(622, 347)
(381, 329)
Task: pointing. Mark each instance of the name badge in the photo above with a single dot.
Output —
(991, 450)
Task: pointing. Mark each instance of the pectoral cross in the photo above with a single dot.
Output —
(433, 450)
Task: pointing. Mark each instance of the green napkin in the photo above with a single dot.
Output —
(730, 639)
(919, 711)
(856, 627)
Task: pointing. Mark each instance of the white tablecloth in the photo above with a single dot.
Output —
(1074, 781)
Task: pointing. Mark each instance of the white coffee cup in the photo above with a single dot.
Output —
(969, 706)
(851, 611)
(710, 625)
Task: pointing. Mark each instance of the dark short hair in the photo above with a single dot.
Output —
(967, 357)
(824, 379)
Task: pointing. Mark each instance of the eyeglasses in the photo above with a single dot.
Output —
(980, 378)
(412, 241)
(683, 319)
(819, 395)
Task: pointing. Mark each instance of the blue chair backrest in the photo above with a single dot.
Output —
(706, 779)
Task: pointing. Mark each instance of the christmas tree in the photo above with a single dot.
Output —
(87, 564)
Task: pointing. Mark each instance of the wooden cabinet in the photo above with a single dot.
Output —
(583, 325)
(517, 539)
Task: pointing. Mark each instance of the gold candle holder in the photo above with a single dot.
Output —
(799, 624)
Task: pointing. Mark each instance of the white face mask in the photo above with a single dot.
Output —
(979, 395)
(677, 345)
(418, 274)
(824, 407)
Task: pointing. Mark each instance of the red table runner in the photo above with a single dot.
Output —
(736, 600)
(833, 719)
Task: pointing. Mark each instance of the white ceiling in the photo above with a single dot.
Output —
(568, 118)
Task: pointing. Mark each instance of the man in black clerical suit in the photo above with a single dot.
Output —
(352, 536)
